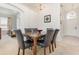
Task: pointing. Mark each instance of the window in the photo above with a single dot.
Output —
(71, 15)
(3, 22)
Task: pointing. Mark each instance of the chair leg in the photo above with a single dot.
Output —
(49, 48)
(44, 51)
(55, 44)
(23, 51)
(18, 51)
(52, 47)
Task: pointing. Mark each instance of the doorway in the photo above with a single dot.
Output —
(69, 20)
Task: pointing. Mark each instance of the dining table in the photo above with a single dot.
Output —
(39, 30)
(35, 36)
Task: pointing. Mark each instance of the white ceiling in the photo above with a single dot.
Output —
(7, 12)
(70, 6)
(33, 6)
(37, 6)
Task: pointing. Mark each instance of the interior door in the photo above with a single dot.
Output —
(70, 23)
(71, 27)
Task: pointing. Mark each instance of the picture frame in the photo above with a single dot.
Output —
(47, 18)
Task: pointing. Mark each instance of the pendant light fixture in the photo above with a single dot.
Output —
(40, 6)
(71, 14)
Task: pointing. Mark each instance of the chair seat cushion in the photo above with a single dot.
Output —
(40, 41)
(28, 43)
(42, 45)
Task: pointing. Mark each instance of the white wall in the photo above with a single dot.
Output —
(27, 18)
(54, 11)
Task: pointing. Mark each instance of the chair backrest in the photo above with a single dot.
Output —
(55, 34)
(34, 30)
(27, 30)
(48, 36)
(52, 32)
(30, 30)
(20, 38)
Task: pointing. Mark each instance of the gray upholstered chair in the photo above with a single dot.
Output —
(53, 31)
(46, 42)
(53, 42)
(33, 30)
(30, 30)
(26, 31)
(22, 44)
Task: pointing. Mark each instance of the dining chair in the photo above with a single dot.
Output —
(46, 41)
(26, 31)
(53, 31)
(54, 38)
(21, 43)
(33, 30)
(30, 29)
